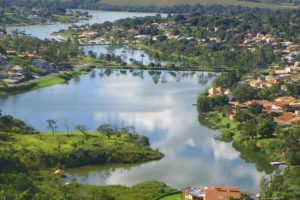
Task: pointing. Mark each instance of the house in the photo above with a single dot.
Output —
(16, 69)
(221, 192)
(288, 118)
(292, 69)
(143, 37)
(217, 91)
(90, 34)
(212, 193)
(293, 47)
(286, 102)
(265, 83)
(193, 194)
(33, 17)
(43, 64)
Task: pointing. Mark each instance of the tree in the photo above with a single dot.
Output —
(248, 128)
(82, 129)
(106, 129)
(244, 92)
(228, 80)
(52, 125)
(267, 127)
(255, 109)
(291, 145)
(142, 56)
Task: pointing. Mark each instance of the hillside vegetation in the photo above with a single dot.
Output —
(260, 4)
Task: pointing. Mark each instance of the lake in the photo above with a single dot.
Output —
(126, 53)
(160, 105)
(98, 16)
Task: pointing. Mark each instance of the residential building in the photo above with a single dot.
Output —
(212, 193)
(288, 118)
(143, 37)
(193, 194)
(292, 69)
(221, 192)
(217, 91)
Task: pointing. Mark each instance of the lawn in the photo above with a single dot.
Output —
(33, 85)
(204, 2)
(173, 197)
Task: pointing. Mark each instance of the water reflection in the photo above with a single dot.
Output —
(161, 110)
(45, 31)
(127, 54)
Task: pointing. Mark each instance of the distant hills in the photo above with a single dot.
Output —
(143, 5)
(248, 3)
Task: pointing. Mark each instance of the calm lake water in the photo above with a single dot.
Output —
(160, 106)
(125, 52)
(45, 31)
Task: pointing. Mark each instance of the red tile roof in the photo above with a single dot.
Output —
(222, 193)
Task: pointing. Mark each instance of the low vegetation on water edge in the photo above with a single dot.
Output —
(173, 197)
(27, 149)
(43, 185)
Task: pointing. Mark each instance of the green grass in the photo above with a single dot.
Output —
(204, 2)
(32, 85)
(38, 151)
(172, 197)
(48, 81)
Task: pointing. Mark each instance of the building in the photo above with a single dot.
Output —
(221, 192)
(143, 37)
(90, 34)
(265, 83)
(288, 118)
(43, 64)
(212, 193)
(193, 194)
(217, 91)
(292, 69)
(16, 69)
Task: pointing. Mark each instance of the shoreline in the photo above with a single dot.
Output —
(64, 77)
(76, 150)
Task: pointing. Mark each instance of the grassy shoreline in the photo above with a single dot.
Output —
(47, 150)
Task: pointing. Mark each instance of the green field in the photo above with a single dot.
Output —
(204, 2)
(46, 150)
(33, 85)
(173, 197)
